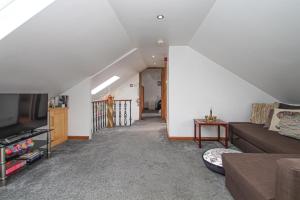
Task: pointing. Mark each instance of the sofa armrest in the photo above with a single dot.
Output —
(287, 179)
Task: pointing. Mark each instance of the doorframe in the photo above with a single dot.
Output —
(164, 90)
(141, 96)
(163, 81)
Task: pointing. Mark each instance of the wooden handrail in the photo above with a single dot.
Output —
(114, 100)
(122, 100)
(97, 101)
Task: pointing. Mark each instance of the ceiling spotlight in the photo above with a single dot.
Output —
(154, 63)
(160, 17)
(153, 56)
(160, 42)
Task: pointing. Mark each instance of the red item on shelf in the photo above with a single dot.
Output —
(14, 165)
(8, 151)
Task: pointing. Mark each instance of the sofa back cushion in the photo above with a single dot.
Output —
(290, 125)
(260, 112)
(270, 116)
(280, 114)
(288, 179)
(287, 106)
(263, 139)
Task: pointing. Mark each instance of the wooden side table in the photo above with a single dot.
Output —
(198, 123)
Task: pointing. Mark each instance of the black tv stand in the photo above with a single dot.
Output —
(43, 145)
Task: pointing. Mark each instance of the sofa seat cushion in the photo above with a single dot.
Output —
(268, 141)
(288, 179)
(254, 174)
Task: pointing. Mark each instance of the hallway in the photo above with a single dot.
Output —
(136, 162)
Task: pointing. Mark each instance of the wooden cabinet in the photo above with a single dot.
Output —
(58, 120)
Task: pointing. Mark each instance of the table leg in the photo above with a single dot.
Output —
(2, 164)
(48, 144)
(195, 129)
(226, 136)
(199, 136)
(218, 132)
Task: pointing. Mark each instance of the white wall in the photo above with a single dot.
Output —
(127, 92)
(152, 92)
(196, 84)
(80, 109)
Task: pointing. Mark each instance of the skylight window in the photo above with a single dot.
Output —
(14, 13)
(105, 84)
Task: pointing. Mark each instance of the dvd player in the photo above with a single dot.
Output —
(32, 156)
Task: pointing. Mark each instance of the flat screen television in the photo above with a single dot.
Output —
(21, 113)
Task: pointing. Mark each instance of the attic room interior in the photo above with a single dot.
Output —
(136, 99)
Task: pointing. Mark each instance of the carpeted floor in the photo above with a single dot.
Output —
(132, 163)
(151, 113)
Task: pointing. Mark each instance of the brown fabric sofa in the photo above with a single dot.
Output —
(253, 176)
(288, 179)
(253, 138)
(270, 167)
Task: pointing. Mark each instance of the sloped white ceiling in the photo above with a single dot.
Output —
(125, 68)
(65, 43)
(73, 39)
(182, 19)
(257, 40)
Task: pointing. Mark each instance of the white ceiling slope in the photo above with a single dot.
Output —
(65, 43)
(257, 40)
(182, 19)
(125, 68)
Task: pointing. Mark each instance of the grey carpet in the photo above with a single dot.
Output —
(150, 113)
(137, 162)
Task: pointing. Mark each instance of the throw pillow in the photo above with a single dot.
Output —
(287, 106)
(290, 125)
(278, 115)
(260, 112)
(270, 116)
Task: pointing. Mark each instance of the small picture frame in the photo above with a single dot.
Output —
(61, 101)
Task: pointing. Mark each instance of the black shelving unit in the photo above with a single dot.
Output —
(43, 145)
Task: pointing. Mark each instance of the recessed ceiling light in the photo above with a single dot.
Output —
(153, 56)
(154, 63)
(160, 42)
(160, 17)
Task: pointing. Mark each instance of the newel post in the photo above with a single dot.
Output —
(110, 112)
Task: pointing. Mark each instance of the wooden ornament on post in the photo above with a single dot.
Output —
(110, 111)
